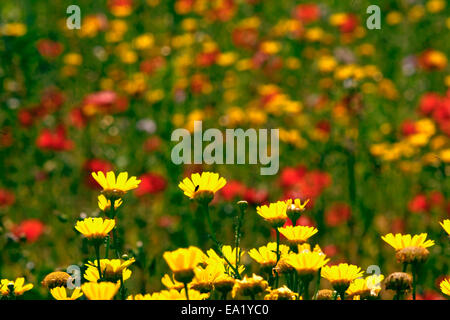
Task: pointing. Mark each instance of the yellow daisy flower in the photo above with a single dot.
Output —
(306, 262)
(298, 234)
(205, 277)
(249, 286)
(266, 256)
(17, 286)
(295, 208)
(283, 293)
(105, 204)
(409, 249)
(296, 204)
(179, 295)
(183, 261)
(113, 188)
(445, 286)
(112, 270)
(60, 293)
(100, 291)
(400, 241)
(95, 228)
(275, 213)
(170, 283)
(368, 287)
(202, 187)
(140, 296)
(446, 225)
(230, 254)
(341, 276)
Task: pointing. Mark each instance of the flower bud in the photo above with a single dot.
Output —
(399, 281)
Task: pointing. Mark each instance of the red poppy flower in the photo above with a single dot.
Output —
(429, 102)
(54, 140)
(290, 176)
(233, 189)
(95, 165)
(151, 183)
(337, 214)
(408, 127)
(7, 198)
(49, 49)
(31, 229)
(419, 204)
(254, 196)
(307, 12)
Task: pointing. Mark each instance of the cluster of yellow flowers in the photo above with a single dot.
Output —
(218, 273)
(105, 277)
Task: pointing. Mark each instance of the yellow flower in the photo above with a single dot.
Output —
(100, 291)
(205, 277)
(296, 204)
(434, 6)
(113, 188)
(140, 296)
(283, 293)
(74, 59)
(409, 249)
(95, 228)
(445, 286)
(170, 283)
(229, 254)
(266, 256)
(327, 64)
(202, 187)
(446, 225)
(183, 261)
(17, 286)
(112, 270)
(105, 204)
(400, 241)
(295, 208)
(179, 295)
(306, 262)
(275, 213)
(341, 276)
(60, 293)
(144, 41)
(298, 234)
(14, 29)
(249, 286)
(370, 286)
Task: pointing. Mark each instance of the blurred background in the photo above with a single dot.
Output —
(364, 119)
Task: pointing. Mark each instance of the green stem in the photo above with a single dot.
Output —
(318, 281)
(278, 255)
(217, 243)
(186, 289)
(107, 247)
(97, 253)
(116, 242)
(237, 236)
(414, 274)
(306, 289)
(123, 290)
